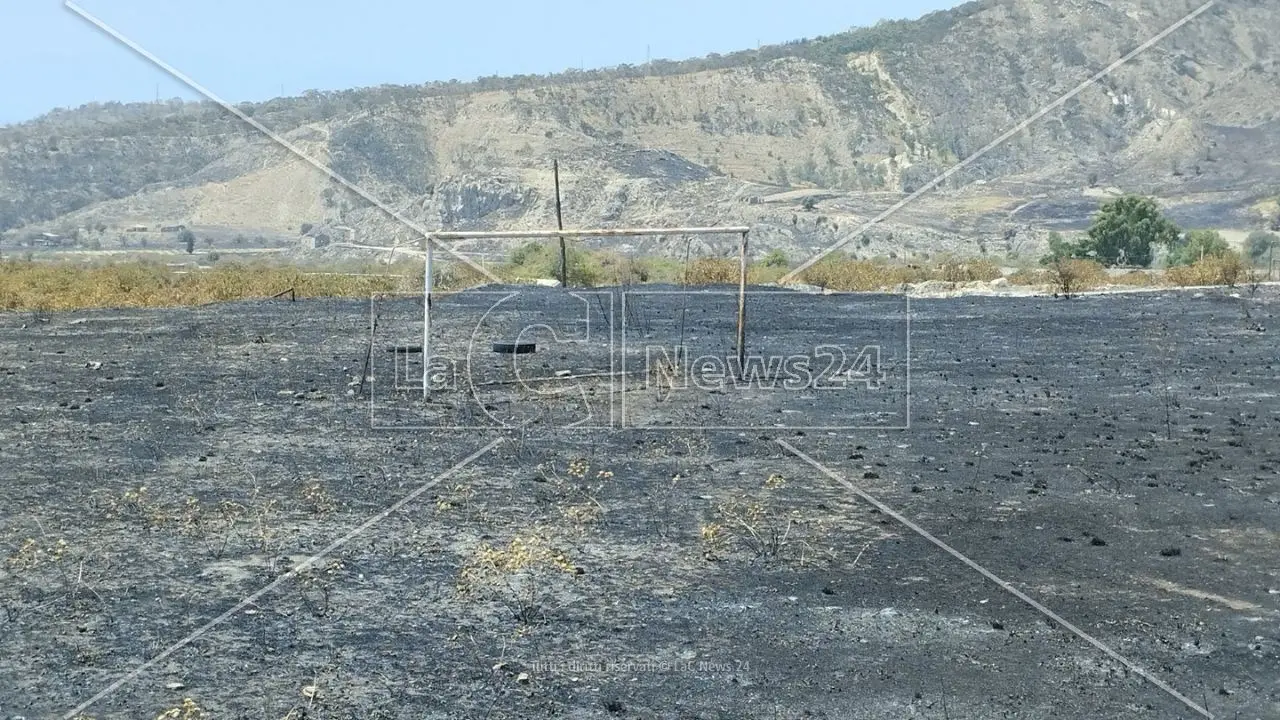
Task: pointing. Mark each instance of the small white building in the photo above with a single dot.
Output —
(311, 242)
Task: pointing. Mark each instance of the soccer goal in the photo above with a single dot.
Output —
(430, 242)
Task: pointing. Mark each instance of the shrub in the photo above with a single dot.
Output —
(1198, 245)
(527, 254)
(1226, 269)
(1260, 244)
(542, 260)
(1059, 248)
(454, 276)
(776, 259)
(1029, 277)
(1069, 276)
(624, 270)
(1136, 278)
(840, 273)
(713, 271)
(581, 273)
(765, 525)
(523, 575)
(955, 270)
(628, 271)
(188, 710)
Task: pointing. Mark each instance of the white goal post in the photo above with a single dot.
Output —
(431, 239)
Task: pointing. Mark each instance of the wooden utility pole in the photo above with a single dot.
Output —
(742, 306)
(564, 257)
(427, 287)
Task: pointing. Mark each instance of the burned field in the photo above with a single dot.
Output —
(173, 475)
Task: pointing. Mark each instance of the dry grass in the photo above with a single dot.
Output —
(728, 271)
(450, 276)
(43, 287)
(1030, 277)
(616, 269)
(762, 274)
(952, 269)
(606, 268)
(980, 204)
(713, 271)
(1069, 276)
(1089, 276)
(860, 275)
(1229, 269)
(49, 287)
(1138, 278)
(842, 273)
(1268, 208)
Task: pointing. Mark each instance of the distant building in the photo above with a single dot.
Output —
(314, 242)
(45, 239)
(173, 228)
(136, 228)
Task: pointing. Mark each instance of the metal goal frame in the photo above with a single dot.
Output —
(432, 239)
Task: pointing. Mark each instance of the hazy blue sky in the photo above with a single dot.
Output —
(254, 49)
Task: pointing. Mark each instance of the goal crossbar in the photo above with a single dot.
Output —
(431, 239)
(594, 232)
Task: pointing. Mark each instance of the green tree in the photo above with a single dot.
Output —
(1198, 245)
(1060, 249)
(188, 238)
(780, 176)
(776, 259)
(542, 260)
(1259, 244)
(1125, 230)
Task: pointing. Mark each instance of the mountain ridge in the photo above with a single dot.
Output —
(864, 116)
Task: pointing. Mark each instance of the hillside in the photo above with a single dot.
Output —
(857, 118)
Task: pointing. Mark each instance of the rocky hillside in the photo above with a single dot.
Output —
(804, 141)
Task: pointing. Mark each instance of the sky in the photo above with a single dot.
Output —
(248, 50)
